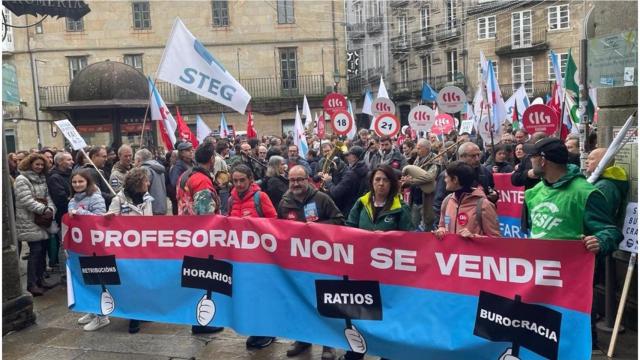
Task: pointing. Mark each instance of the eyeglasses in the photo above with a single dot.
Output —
(298, 179)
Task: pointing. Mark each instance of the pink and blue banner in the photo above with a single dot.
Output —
(509, 206)
(394, 294)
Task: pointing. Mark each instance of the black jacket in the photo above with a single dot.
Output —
(59, 185)
(102, 185)
(349, 187)
(275, 187)
(519, 176)
(324, 209)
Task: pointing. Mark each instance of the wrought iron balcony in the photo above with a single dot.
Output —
(356, 31)
(449, 30)
(356, 85)
(401, 43)
(533, 88)
(373, 74)
(259, 88)
(374, 24)
(413, 88)
(423, 38)
(398, 3)
(525, 42)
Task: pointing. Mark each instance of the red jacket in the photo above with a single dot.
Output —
(456, 217)
(246, 206)
(196, 194)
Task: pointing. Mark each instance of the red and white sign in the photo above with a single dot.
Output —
(334, 102)
(341, 122)
(421, 118)
(451, 99)
(540, 118)
(383, 105)
(443, 124)
(386, 124)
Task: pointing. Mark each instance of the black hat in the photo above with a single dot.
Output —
(553, 149)
(185, 146)
(356, 150)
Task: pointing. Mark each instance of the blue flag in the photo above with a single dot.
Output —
(428, 94)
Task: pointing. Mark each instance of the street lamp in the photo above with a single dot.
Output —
(36, 94)
(336, 80)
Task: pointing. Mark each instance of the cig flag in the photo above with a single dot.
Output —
(202, 130)
(188, 64)
(160, 111)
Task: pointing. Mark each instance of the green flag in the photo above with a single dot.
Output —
(572, 89)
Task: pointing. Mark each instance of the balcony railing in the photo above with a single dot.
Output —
(448, 30)
(400, 43)
(398, 3)
(374, 24)
(423, 37)
(535, 40)
(259, 88)
(533, 88)
(356, 30)
(413, 88)
(373, 74)
(356, 85)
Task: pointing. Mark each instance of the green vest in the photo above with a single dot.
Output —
(558, 213)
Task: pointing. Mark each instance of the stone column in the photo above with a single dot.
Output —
(17, 306)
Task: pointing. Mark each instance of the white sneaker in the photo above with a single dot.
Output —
(97, 323)
(87, 318)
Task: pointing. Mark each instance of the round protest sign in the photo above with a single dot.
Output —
(386, 124)
(540, 118)
(443, 124)
(421, 118)
(383, 105)
(451, 99)
(334, 102)
(341, 122)
(485, 131)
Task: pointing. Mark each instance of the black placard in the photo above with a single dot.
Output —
(535, 327)
(347, 299)
(207, 274)
(99, 270)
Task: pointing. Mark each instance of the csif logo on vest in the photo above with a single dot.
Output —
(542, 217)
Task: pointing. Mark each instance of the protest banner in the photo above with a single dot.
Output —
(311, 279)
(509, 206)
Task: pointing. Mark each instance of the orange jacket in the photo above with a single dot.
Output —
(457, 216)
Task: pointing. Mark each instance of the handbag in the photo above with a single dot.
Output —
(43, 220)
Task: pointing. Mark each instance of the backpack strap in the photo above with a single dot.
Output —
(479, 214)
(256, 203)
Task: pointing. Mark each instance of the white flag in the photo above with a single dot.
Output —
(224, 128)
(366, 105)
(510, 107)
(188, 64)
(306, 111)
(202, 130)
(522, 100)
(354, 131)
(299, 139)
(315, 127)
(382, 90)
(160, 111)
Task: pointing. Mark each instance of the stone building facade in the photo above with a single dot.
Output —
(279, 50)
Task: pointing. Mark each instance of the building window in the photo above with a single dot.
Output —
(220, 13)
(487, 27)
(522, 73)
(357, 11)
(134, 61)
(495, 69)
(563, 65)
(452, 65)
(425, 18)
(521, 29)
(289, 68)
(76, 63)
(402, 25)
(141, 15)
(74, 26)
(558, 17)
(426, 67)
(404, 72)
(451, 14)
(377, 56)
(285, 12)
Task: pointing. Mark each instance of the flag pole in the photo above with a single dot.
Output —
(146, 112)
(564, 98)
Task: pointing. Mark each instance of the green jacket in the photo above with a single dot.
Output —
(614, 185)
(398, 217)
(596, 221)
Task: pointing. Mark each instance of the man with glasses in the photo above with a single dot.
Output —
(304, 203)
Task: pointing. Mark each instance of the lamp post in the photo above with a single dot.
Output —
(336, 80)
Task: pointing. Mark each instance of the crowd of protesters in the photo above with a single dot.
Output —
(372, 183)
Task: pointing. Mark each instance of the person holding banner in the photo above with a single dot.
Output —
(86, 200)
(306, 204)
(34, 215)
(466, 211)
(98, 155)
(613, 183)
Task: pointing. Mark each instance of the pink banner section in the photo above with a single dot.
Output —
(511, 197)
(555, 272)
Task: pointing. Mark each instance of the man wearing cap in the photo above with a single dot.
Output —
(185, 162)
(353, 182)
(421, 176)
(564, 196)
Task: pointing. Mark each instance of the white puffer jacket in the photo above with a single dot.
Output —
(28, 187)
